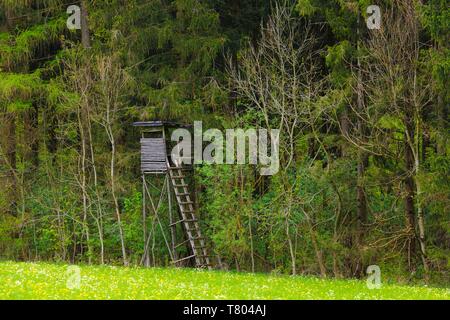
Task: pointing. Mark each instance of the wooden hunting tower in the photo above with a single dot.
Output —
(156, 161)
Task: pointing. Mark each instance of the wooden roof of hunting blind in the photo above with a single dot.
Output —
(155, 124)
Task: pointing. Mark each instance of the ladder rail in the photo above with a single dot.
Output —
(185, 218)
(188, 216)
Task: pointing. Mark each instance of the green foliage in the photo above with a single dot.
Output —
(53, 103)
(337, 60)
(171, 49)
(306, 7)
(228, 208)
(21, 86)
(435, 18)
(18, 50)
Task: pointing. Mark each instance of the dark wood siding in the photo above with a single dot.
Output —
(153, 155)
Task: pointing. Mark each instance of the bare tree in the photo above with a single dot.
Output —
(396, 102)
(279, 78)
(112, 82)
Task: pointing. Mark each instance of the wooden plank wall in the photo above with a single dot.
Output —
(153, 155)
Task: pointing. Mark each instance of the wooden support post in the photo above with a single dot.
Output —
(144, 223)
(173, 227)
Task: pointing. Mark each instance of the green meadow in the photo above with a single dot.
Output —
(55, 281)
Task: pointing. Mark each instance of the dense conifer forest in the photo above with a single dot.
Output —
(363, 115)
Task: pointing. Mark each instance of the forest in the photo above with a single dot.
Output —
(362, 109)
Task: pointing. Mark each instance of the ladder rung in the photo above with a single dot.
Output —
(196, 238)
(180, 185)
(187, 241)
(178, 177)
(183, 194)
(186, 202)
(183, 168)
(201, 255)
(175, 223)
(185, 258)
(181, 244)
(181, 221)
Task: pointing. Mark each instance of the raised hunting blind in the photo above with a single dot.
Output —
(157, 163)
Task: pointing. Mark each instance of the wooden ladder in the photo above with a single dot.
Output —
(188, 220)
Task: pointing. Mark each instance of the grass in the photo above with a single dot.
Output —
(50, 281)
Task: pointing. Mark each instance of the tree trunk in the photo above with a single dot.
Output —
(99, 218)
(31, 123)
(442, 116)
(8, 160)
(85, 34)
(83, 180)
(421, 226)
(362, 159)
(420, 219)
(409, 190)
(113, 193)
(291, 247)
(344, 123)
